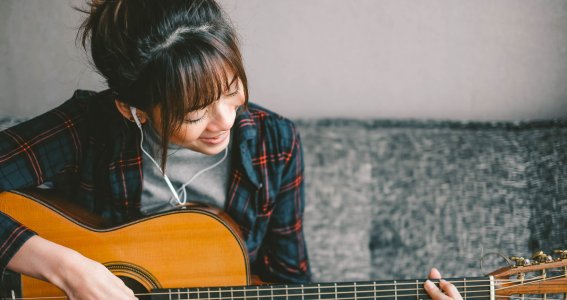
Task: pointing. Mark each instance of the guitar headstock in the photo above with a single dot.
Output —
(540, 274)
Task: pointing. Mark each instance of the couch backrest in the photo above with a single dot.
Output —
(389, 199)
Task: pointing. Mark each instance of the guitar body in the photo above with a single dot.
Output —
(195, 253)
(191, 247)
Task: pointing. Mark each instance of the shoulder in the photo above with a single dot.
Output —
(89, 102)
(271, 124)
(85, 115)
(96, 110)
(70, 115)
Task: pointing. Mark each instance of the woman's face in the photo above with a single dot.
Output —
(208, 130)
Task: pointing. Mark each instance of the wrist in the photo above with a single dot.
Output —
(62, 267)
(45, 260)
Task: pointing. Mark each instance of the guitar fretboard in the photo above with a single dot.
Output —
(470, 288)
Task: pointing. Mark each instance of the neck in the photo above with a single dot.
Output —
(470, 288)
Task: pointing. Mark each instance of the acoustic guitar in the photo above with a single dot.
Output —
(196, 253)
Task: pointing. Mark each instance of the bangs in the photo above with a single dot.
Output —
(202, 80)
(193, 82)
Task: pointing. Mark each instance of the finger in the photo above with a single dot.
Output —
(434, 274)
(126, 291)
(450, 289)
(434, 292)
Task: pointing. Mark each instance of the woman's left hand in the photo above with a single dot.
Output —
(447, 292)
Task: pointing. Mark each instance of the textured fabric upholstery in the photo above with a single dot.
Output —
(389, 199)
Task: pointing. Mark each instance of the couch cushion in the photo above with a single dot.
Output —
(389, 199)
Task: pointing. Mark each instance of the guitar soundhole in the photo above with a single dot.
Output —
(138, 279)
(139, 290)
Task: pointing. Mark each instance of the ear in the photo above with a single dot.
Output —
(124, 109)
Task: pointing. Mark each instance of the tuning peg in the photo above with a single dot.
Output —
(520, 261)
(562, 254)
(541, 257)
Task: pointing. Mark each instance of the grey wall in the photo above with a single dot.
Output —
(444, 59)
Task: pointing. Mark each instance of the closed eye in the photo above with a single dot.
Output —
(198, 119)
(233, 93)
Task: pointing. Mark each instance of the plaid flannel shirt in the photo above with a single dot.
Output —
(91, 154)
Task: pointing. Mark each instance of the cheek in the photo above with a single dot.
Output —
(188, 133)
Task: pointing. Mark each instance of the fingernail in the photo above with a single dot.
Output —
(429, 285)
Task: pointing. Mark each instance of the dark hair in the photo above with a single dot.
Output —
(168, 53)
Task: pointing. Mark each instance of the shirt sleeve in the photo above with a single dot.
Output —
(31, 153)
(283, 256)
(12, 236)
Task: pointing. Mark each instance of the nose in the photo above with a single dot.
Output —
(223, 115)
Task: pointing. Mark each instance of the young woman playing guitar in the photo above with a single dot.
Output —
(174, 126)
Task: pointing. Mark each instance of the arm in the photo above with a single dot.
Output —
(78, 276)
(31, 153)
(284, 254)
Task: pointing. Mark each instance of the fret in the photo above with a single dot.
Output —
(318, 291)
(417, 290)
(401, 290)
(355, 291)
(278, 292)
(336, 295)
(215, 294)
(294, 292)
(327, 291)
(464, 289)
(374, 288)
(346, 290)
(310, 292)
(249, 293)
(365, 290)
(238, 293)
(225, 293)
(265, 292)
(473, 288)
(395, 290)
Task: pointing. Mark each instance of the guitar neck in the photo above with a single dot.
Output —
(470, 288)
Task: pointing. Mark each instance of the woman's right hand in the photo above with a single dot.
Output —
(78, 276)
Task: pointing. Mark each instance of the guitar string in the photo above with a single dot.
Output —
(500, 281)
(244, 290)
(386, 296)
(258, 297)
(339, 294)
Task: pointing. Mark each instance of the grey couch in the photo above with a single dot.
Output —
(389, 199)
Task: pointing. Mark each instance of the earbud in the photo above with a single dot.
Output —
(133, 110)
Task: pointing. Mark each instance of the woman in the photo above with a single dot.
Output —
(174, 126)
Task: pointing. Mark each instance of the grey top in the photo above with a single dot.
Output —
(182, 164)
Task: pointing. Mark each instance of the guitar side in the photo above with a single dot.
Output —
(183, 248)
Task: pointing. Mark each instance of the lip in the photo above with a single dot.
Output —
(217, 139)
